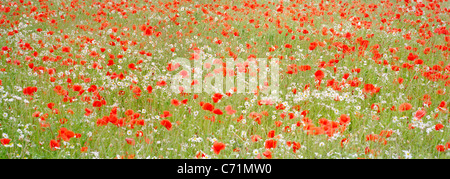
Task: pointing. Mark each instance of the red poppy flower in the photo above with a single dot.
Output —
(278, 123)
(255, 138)
(439, 126)
(319, 74)
(344, 141)
(217, 97)
(217, 147)
(65, 134)
(442, 105)
(50, 105)
(229, 110)
(208, 107)
(29, 90)
(161, 83)
(304, 67)
(440, 148)
(166, 123)
(88, 111)
(370, 88)
(175, 102)
(404, 107)
(344, 119)
(270, 144)
(271, 134)
(97, 104)
(217, 111)
(54, 145)
(419, 114)
(130, 141)
(166, 114)
(267, 154)
(129, 112)
(149, 89)
(200, 155)
(139, 133)
(296, 146)
(5, 141)
(313, 45)
(132, 66)
(77, 87)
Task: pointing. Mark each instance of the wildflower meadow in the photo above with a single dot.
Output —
(218, 79)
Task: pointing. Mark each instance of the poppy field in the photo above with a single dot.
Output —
(90, 79)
